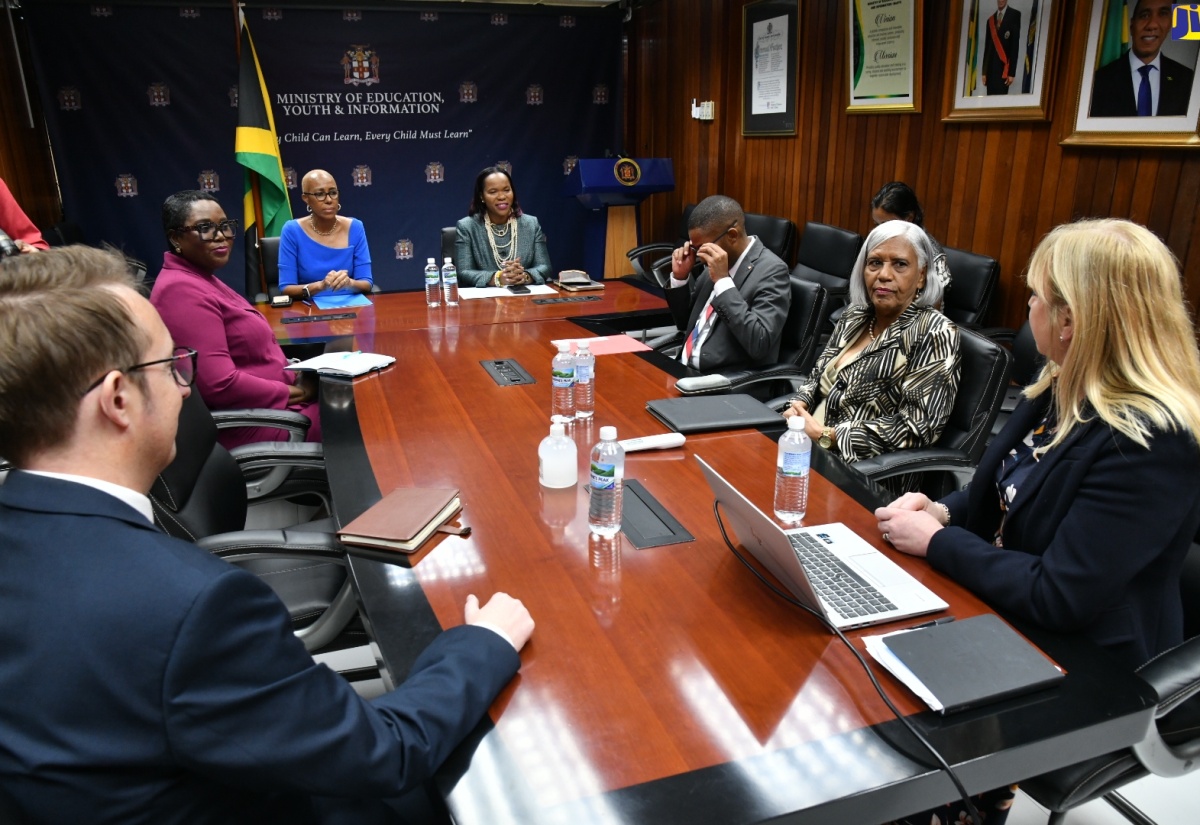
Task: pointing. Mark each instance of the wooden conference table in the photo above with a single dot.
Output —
(663, 685)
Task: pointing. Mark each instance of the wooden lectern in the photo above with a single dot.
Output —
(611, 188)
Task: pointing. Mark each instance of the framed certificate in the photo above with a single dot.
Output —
(770, 32)
(885, 56)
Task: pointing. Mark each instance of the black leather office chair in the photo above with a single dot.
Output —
(201, 497)
(985, 371)
(973, 280)
(449, 238)
(1172, 744)
(826, 256)
(777, 234)
(797, 349)
(1027, 363)
(269, 248)
(652, 261)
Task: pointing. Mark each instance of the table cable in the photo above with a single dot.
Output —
(942, 763)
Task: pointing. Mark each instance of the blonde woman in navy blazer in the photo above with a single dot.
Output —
(1083, 508)
(1093, 535)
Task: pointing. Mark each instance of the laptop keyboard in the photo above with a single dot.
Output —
(839, 587)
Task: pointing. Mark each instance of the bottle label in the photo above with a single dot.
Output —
(431, 277)
(583, 372)
(795, 464)
(561, 377)
(604, 476)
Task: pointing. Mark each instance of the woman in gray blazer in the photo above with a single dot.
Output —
(497, 244)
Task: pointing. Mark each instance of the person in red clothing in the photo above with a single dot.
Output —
(240, 364)
(16, 224)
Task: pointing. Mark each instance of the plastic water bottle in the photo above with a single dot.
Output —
(433, 283)
(450, 283)
(562, 381)
(791, 472)
(606, 482)
(585, 381)
(558, 458)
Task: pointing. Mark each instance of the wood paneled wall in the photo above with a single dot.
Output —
(992, 188)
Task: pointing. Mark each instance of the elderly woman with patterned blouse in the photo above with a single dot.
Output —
(888, 377)
(497, 244)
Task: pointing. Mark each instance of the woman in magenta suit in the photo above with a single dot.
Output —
(240, 364)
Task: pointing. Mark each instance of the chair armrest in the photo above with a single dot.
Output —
(646, 248)
(916, 460)
(293, 543)
(266, 455)
(1175, 677)
(296, 424)
(735, 380)
(267, 465)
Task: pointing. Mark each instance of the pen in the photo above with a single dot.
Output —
(934, 623)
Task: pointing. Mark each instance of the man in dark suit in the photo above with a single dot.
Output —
(145, 680)
(734, 310)
(1001, 45)
(1144, 82)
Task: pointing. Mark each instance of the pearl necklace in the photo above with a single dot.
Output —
(510, 250)
(871, 330)
(313, 222)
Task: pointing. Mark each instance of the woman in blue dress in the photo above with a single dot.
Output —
(324, 253)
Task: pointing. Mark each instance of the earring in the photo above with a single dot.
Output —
(339, 207)
(308, 206)
(177, 249)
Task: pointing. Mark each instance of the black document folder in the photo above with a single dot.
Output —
(972, 662)
(695, 414)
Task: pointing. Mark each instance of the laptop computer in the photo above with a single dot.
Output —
(827, 567)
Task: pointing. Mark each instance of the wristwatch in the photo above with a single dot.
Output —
(826, 439)
(307, 293)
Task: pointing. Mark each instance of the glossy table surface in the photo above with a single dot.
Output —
(665, 684)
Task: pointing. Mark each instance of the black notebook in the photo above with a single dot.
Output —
(699, 413)
(971, 662)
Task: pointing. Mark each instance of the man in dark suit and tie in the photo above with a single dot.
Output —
(1144, 82)
(733, 311)
(144, 679)
(1001, 45)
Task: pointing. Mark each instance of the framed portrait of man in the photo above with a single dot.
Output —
(1004, 51)
(1137, 85)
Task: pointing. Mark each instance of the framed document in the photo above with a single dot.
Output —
(999, 63)
(885, 56)
(770, 32)
(1112, 107)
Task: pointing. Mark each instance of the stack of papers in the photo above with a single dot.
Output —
(344, 363)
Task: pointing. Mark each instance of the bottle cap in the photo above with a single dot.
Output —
(796, 422)
(608, 433)
(558, 429)
(585, 344)
(431, 260)
(564, 346)
(447, 259)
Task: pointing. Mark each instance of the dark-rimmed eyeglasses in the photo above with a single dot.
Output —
(207, 230)
(331, 195)
(183, 368)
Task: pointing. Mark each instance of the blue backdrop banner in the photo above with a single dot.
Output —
(403, 106)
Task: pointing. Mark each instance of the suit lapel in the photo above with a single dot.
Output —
(1042, 468)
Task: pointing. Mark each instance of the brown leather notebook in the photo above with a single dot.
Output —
(403, 519)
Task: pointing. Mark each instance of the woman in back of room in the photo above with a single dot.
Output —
(896, 201)
(325, 253)
(497, 244)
